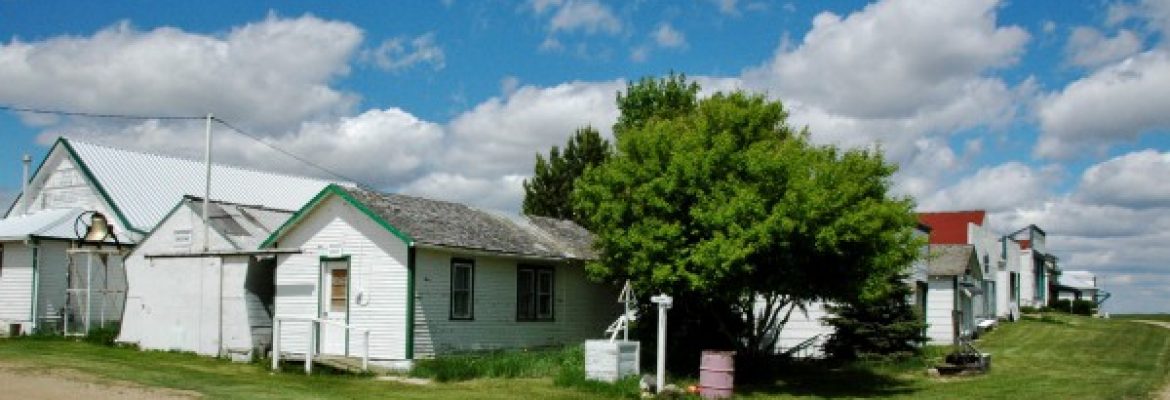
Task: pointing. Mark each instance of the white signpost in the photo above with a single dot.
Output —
(664, 302)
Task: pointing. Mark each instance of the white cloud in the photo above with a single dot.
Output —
(1088, 47)
(273, 73)
(668, 37)
(915, 55)
(1136, 179)
(587, 16)
(397, 54)
(902, 74)
(502, 135)
(1003, 187)
(499, 193)
(1115, 103)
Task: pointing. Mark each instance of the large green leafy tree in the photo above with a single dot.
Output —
(737, 215)
(652, 99)
(548, 192)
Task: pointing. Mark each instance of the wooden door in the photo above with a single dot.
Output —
(335, 299)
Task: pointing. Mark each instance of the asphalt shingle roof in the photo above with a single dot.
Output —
(447, 224)
(951, 259)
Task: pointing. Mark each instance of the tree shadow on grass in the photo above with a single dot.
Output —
(828, 381)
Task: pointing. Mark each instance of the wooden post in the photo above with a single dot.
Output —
(366, 351)
(276, 344)
(309, 352)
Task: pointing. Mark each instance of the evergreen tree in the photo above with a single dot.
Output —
(549, 192)
(886, 327)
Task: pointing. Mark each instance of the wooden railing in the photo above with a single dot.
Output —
(312, 347)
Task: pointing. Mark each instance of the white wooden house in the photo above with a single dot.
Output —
(134, 190)
(1038, 268)
(955, 284)
(427, 277)
(998, 258)
(806, 330)
(215, 302)
(1078, 285)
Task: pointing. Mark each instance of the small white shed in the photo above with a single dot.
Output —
(954, 282)
(215, 302)
(428, 277)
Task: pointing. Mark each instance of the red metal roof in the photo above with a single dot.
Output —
(951, 227)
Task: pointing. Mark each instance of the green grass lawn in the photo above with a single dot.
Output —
(219, 379)
(1059, 357)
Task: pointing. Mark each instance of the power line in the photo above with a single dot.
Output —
(95, 115)
(180, 118)
(282, 151)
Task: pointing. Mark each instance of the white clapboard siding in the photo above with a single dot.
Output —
(15, 284)
(802, 327)
(940, 301)
(65, 186)
(377, 267)
(582, 309)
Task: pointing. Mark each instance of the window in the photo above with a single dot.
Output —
(338, 293)
(462, 288)
(534, 293)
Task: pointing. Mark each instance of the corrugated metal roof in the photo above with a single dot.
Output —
(951, 259)
(56, 223)
(145, 186)
(448, 224)
(951, 227)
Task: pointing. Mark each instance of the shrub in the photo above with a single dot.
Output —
(1083, 307)
(103, 335)
(1062, 305)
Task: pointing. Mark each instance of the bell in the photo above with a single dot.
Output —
(99, 228)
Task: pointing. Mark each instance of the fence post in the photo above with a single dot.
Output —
(276, 344)
(366, 351)
(309, 352)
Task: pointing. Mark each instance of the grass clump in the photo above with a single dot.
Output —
(538, 363)
(564, 365)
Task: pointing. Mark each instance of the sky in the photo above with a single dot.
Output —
(1053, 113)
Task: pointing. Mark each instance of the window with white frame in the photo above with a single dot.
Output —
(462, 289)
(534, 293)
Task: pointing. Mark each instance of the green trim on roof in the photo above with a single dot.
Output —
(97, 184)
(156, 226)
(333, 189)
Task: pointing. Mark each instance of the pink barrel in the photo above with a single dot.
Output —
(717, 374)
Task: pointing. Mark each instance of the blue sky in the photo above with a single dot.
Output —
(1043, 112)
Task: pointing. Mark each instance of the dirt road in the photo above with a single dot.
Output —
(26, 383)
